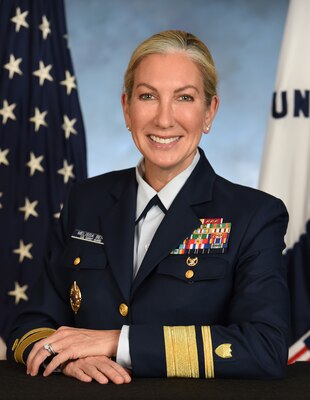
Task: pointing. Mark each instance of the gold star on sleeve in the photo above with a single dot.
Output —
(43, 73)
(29, 209)
(69, 82)
(13, 66)
(66, 171)
(35, 164)
(38, 119)
(19, 293)
(3, 157)
(67, 126)
(23, 251)
(7, 111)
(20, 19)
(45, 27)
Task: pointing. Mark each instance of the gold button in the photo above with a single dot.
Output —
(123, 309)
(77, 261)
(189, 274)
(192, 261)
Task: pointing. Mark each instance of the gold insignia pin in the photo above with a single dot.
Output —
(75, 297)
(224, 350)
(192, 261)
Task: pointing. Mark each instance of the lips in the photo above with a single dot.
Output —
(164, 140)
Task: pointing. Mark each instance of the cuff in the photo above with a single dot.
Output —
(123, 354)
(20, 345)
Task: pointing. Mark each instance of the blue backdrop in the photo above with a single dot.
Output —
(244, 37)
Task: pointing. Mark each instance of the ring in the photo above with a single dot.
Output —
(49, 348)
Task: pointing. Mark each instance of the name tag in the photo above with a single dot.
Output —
(87, 236)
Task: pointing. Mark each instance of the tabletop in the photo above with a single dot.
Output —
(15, 384)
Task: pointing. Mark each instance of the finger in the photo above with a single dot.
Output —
(61, 333)
(74, 371)
(36, 357)
(57, 361)
(125, 373)
(109, 370)
(85, 371)
(93, 372)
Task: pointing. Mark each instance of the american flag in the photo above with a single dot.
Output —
(300, 351)
(42, 141)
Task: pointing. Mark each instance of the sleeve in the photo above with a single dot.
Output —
(254, 342)
(47, 309)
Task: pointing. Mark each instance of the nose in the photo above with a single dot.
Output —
(165, 115)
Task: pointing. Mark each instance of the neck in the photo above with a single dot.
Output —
(158, 177)
(158, 180)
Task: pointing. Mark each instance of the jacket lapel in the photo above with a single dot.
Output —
(180, 220)
(118, 225)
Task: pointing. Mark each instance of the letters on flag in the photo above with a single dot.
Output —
(286, 161)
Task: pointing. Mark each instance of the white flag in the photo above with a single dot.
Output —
(285, 170)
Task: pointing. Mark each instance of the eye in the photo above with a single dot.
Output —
(186, 97)
(146, 96)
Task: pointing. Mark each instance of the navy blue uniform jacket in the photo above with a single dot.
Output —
(230, 319)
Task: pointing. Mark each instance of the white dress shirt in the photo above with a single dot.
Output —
(145, 230)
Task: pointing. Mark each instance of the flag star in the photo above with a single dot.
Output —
(13, 66)
(29, 209)
(45, 27)
(35, 164)
(66, 171)
(23, 251)
(67, 126)
(69, 82)
(66, 37)
(19, 293)
(57, 215)
(7, 111)
(43, 73)
(20, 19)
(1, 194)
(3, 155)
(38, 119)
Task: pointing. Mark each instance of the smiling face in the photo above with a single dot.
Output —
(167, 113)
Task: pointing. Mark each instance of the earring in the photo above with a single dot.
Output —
(208, 127)
(128, 128)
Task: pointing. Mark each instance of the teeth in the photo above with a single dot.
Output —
(164, 141)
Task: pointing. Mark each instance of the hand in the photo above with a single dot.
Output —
(99, 368)
(71, 344)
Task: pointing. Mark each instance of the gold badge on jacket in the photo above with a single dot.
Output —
(75, 297)
(224, 350)
(210, 237)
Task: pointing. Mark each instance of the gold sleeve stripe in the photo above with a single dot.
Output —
(26, 335)
(208, 351)
(181, 351)
(28, 339)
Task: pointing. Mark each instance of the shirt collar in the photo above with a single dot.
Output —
(168, 193)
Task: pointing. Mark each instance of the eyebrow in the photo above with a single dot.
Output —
(181, 89)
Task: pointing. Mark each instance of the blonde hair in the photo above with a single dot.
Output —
(174, 41)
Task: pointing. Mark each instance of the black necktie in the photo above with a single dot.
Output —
(155, 201)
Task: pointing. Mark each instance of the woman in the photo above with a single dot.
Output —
(192, 286)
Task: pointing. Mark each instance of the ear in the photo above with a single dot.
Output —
(210, 114)
(126, 113)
